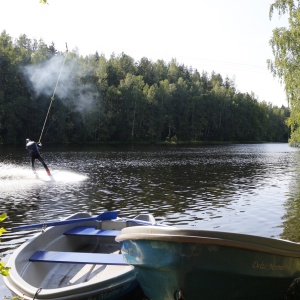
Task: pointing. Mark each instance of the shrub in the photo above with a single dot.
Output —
(4, 271)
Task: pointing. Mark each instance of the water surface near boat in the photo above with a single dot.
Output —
(251, 189)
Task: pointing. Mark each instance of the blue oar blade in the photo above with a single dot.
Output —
(107, 215)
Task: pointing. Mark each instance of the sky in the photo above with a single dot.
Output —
(229, 37)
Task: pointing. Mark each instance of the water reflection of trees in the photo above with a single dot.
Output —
(186, 185)
(291, 219)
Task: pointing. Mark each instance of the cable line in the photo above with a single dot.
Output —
(52, 98)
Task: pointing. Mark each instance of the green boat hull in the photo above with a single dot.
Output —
(191, 264)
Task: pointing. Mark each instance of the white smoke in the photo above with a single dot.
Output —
(61, 78)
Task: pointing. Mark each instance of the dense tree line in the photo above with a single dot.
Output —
(118, 99)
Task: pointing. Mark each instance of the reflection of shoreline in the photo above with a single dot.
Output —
(291, 218)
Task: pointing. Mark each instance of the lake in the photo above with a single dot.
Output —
(246, 188)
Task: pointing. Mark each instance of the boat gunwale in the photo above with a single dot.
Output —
(214, 241)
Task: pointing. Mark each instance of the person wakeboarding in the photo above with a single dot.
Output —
(33, 149)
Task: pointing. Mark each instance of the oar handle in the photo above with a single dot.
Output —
(57, 223)
(107, 215)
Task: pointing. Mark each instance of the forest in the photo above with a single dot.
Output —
(97, 100)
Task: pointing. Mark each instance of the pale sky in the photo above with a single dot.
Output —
(230, 37)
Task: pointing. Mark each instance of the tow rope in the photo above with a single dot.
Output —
(52, 98)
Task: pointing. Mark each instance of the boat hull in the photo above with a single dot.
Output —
(192, 264)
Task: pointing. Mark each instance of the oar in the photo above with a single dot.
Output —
(107, 215)
(137, 221)
(142, 222)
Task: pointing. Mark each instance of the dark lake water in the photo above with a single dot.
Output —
(252, 189)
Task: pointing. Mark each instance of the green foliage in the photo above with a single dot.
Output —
(13, 298)
(285, 45)
(120, 100)
(4, 271)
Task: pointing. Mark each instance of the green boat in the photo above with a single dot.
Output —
(187, 264)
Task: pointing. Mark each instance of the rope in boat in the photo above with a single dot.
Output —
(37, 293)
(52, 98)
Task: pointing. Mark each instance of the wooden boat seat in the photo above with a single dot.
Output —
(92, 231)
(78, 258)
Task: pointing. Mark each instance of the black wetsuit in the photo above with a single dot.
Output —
(33, 150)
